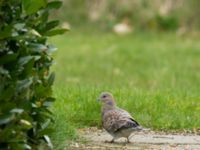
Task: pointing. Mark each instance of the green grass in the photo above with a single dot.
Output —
(156, 77)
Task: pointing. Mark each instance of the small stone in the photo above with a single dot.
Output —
(76, 145)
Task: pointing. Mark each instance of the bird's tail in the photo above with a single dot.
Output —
(141, 128)
(137, 128)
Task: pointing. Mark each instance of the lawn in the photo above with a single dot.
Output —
(156, 77)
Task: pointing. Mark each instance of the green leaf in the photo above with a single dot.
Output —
(51, 99)
(24, 60)
(34, 32)
(7, 93)
(26, 64)
(6, 119)
(4, 72)
(16, 144)
(46, 124)
(49, 112)
(51, 49)
(26, 146)
(51, 79)
(17, 110)
(54, 5)
(19, 26)
(36, 47)
(56, 32)
(8, 58)
(47, 103)
(6, 32)
(25, 123)
(24, 84)
(28, 68)
(6, 133)
(41, 91)
(52, 24)
(47, 139)
(32, 6)
(6, 106)
(43, 132)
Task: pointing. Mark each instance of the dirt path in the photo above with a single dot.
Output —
(150, 140)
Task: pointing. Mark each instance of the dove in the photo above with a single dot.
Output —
(116, 121)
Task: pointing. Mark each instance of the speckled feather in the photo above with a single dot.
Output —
(116, 121)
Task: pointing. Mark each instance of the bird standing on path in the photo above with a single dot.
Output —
(116, 121)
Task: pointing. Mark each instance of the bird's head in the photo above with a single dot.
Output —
(106, 98)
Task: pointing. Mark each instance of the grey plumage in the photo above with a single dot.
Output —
(117, 122)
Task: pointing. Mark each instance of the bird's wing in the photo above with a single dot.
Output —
(117, 119)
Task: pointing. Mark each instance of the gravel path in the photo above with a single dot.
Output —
(149, 140)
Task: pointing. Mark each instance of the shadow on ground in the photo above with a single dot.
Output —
(95, 139)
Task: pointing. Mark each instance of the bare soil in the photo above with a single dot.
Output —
(94, 139)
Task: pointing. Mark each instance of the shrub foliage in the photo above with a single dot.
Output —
(25, 79)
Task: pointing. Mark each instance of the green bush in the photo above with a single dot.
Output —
(167, 22)
(25, 79)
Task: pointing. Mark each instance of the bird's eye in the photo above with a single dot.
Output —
(104, 96)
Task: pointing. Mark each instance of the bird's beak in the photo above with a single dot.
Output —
(98, 99)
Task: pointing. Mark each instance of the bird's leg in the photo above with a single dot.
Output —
(128, 141)
(112, 141)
